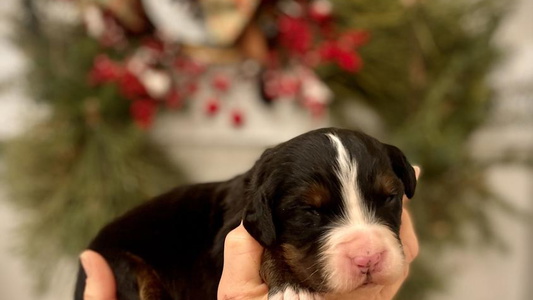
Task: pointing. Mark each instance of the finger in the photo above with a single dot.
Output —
(242, 256)
(407, 231)
(242, 261)
(417, 171)
(388, 292)
(100, 282)
(408, 237)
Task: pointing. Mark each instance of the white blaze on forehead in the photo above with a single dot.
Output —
(355, 212)
(358, 233)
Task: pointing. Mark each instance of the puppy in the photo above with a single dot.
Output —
(326, 206)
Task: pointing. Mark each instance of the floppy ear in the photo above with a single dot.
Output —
(258, 221)
(403, 169)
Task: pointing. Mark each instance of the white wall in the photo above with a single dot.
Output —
(489, 274)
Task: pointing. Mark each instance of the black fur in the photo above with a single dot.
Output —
(178, 237)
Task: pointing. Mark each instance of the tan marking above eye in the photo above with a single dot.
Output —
(388, 184)
(316, 195)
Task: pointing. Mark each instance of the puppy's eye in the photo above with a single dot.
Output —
(392, 198)
(312, 211)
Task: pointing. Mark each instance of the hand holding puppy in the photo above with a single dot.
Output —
(100, 283)
(242, 260)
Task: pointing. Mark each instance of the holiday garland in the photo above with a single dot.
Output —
(152, 71)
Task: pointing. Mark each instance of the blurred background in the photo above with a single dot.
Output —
(105, 103)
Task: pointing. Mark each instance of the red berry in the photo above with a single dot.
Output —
(143, 112)
(349, 61)
(131, 87)
(237, 118)
(104, 70)
(212, 106)
(221, 83)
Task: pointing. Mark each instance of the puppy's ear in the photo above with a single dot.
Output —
(258, 221)
(403, 169)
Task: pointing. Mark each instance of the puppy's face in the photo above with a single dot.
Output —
(327, 208)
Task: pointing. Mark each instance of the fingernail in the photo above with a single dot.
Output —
(417, 171)
(86, 263)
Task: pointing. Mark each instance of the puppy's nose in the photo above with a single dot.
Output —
(368, 263)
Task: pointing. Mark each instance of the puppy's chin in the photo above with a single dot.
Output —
(361, 256)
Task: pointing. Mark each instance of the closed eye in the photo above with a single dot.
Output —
(392, 198)
(311, 210)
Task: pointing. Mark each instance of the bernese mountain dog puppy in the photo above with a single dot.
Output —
(325, 205)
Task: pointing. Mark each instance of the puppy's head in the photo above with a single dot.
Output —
(327, 208)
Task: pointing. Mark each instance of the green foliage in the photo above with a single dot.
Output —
(62, 58)
(85, 162)
(73, 180)
(425, 73)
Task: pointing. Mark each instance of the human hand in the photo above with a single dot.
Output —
(242, 260)
(240, 277)
(100, 282)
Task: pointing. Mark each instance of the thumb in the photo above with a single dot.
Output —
(242, 261)
(100, 282)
